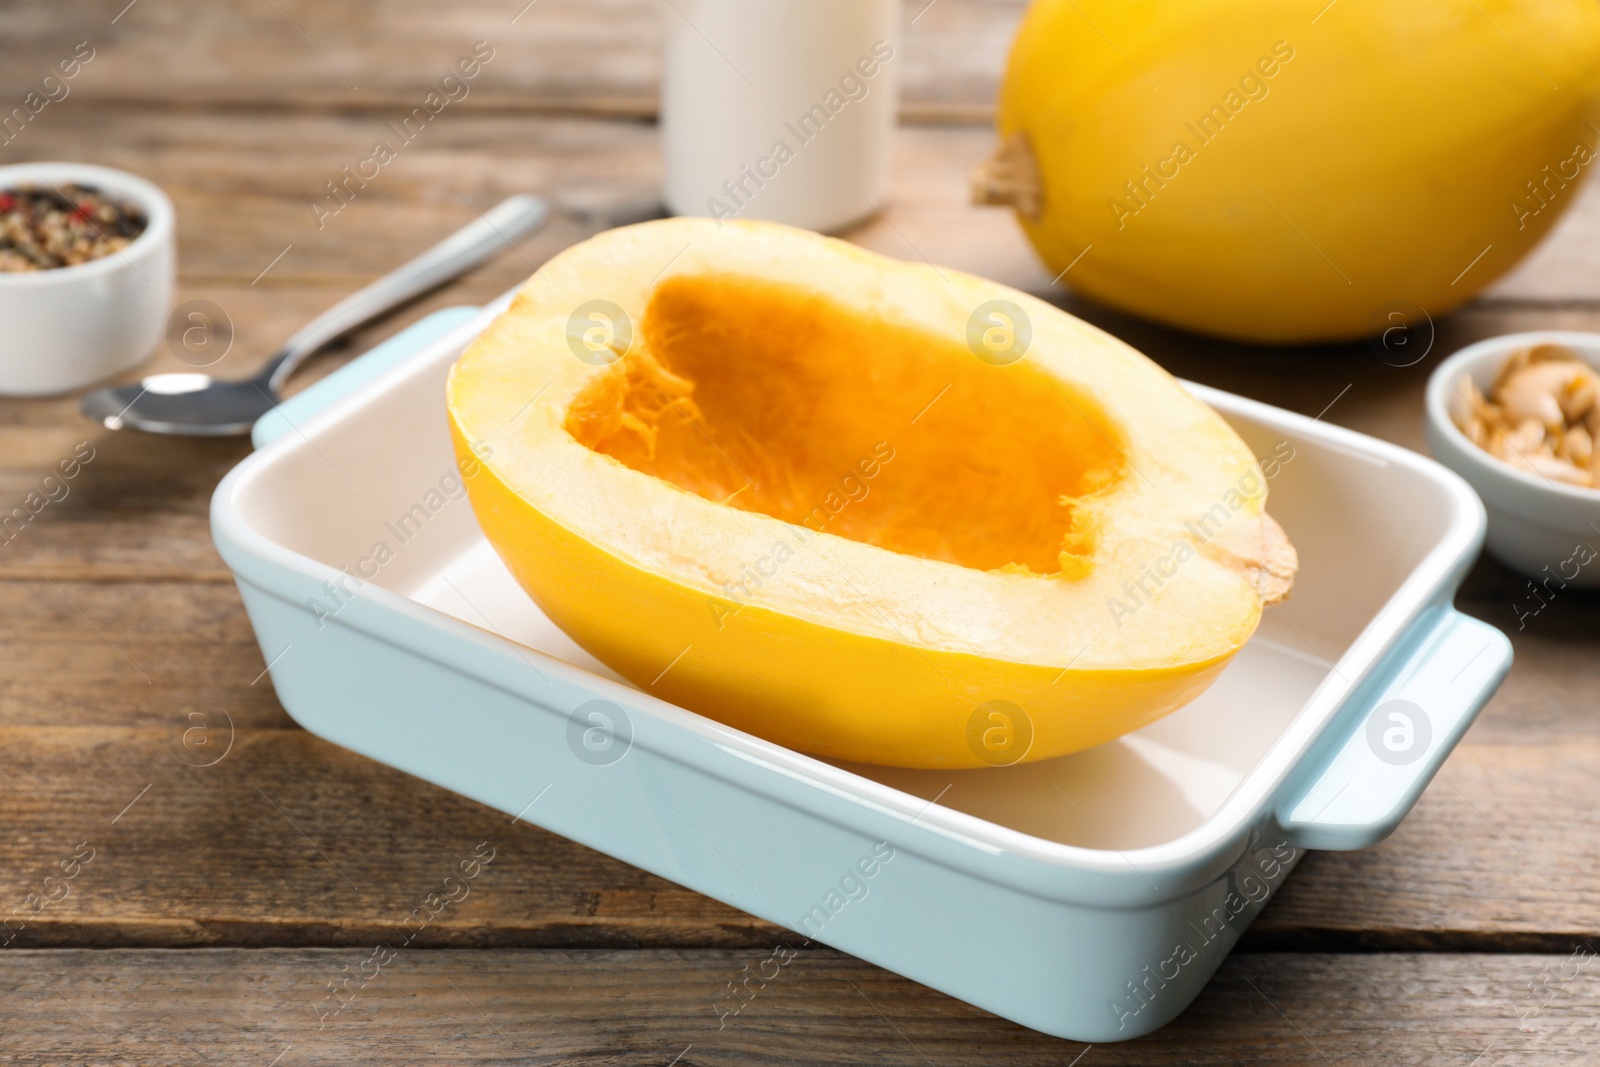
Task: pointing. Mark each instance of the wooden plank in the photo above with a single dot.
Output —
(461, 1007)
(128, 655)
(319, 846)
(314, 844)
(246, 192)
(550, 55)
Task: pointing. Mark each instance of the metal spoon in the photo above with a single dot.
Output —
(200, 405)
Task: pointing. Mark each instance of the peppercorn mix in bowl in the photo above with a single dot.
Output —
(47, 227)
(87, 263)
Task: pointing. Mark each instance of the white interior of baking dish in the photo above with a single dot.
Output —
(382, 474)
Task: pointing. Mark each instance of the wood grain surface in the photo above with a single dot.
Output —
(223, 898)
(647, 1007)
(599, 57)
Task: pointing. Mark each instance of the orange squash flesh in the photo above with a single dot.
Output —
(769, 401)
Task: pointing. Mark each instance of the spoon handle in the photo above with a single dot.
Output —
(456, 254)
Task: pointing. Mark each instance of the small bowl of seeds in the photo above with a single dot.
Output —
(86, 274)
(1518, 417)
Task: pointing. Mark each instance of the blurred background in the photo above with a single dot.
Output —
(243, 112)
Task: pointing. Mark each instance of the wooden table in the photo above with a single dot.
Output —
(222, 902)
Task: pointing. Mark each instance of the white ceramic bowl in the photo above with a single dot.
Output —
(1538, 527)
(72, 326)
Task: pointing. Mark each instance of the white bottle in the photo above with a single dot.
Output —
(779, 109)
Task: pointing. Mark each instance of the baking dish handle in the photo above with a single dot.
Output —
(356, 373)
(1371, 776)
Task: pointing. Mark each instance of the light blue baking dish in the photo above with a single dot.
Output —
(1089, 897)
